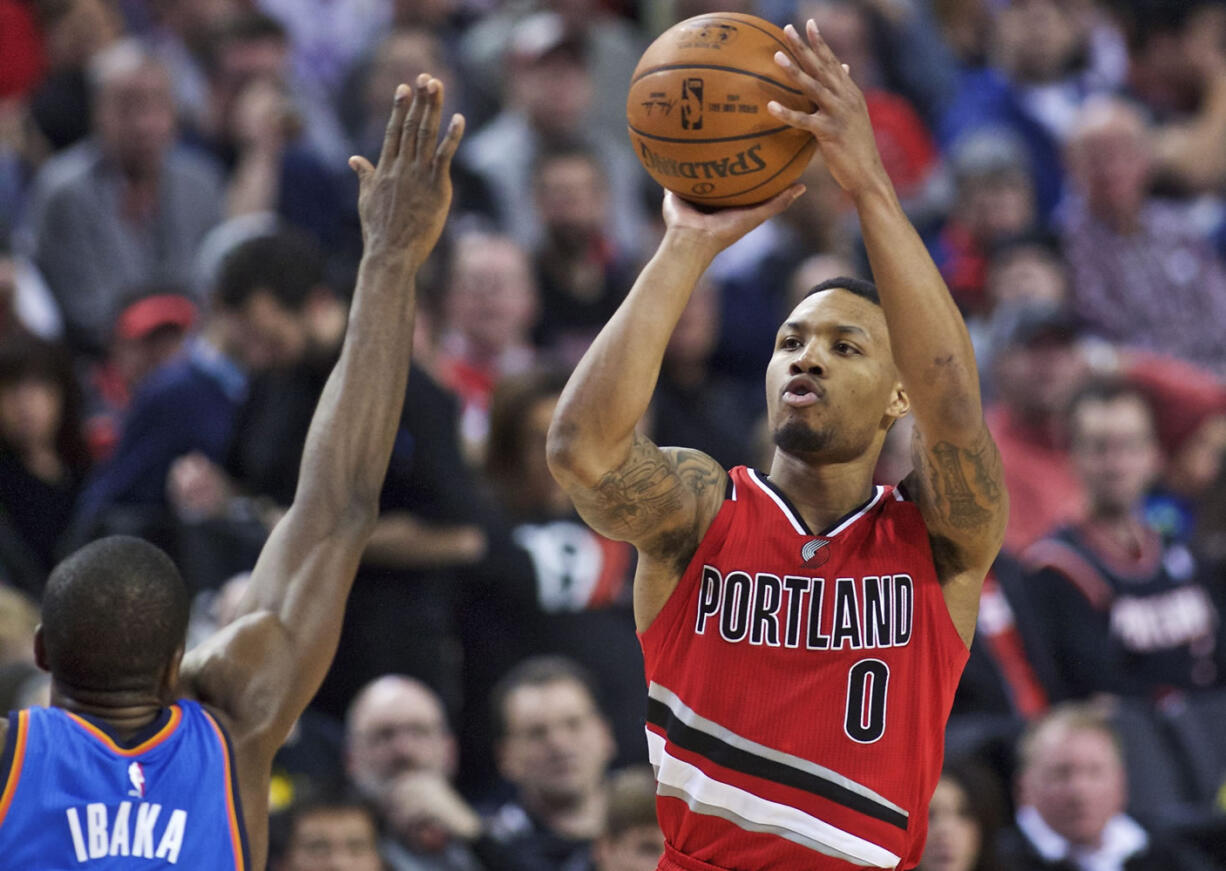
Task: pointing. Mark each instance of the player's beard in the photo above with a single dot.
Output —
(798, 438)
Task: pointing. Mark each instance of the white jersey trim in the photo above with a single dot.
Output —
(706, 795)
(796, 522)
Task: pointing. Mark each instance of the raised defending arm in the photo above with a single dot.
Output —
(957, 480)
(263, 669)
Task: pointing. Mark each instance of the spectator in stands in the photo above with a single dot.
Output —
(331, 834)
(557, 587)
(964, 818)
(125, 207)
(1036, 367)
(270, 306)
(1072, 793)
(693, 405)
(401, 756)
(255, 130)
(548, 96)
(632, 840)
(43, 456)
(1144, 273)
(994, 200)
(150, 331)
(1121, 610)
(1049, 56)
(581, 272)
(1177, 70)
(492, 302)
(402, 55)
(74, 34)
(554, 747)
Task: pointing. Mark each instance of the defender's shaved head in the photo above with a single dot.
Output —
(114, 614)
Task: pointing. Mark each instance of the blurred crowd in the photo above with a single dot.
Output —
(178, 241)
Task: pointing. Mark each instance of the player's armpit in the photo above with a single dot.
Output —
(959, 488)
(659, 500)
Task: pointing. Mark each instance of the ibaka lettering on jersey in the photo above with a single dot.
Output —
(792, 611)
(135, 829)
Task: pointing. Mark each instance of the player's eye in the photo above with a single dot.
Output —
(790, 343)
(845, 348)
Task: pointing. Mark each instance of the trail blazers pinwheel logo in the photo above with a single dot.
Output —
(815, 549)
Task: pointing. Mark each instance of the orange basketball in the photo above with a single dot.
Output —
(697, 111)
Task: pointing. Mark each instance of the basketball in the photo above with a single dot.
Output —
(697, 114)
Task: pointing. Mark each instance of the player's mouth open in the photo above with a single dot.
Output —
(801, 391)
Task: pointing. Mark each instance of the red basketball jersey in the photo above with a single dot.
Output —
(798, 688)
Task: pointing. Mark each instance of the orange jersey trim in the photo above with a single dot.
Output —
(19, 755)
(236, 839)
(176, 716)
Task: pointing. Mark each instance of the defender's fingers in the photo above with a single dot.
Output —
(451, 141)
(427, 129)
(408, 135)
(395, 122)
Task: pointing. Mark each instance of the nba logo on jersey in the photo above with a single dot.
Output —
(136, 774)
(813, 548)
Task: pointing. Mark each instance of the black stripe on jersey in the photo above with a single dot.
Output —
(796, 515)
(736, 759)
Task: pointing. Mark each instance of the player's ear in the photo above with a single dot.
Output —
(170, 680)
(900, 402)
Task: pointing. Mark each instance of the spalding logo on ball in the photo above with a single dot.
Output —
(697, 111)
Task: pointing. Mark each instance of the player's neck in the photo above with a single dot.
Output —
(823, 492)
(125, 711)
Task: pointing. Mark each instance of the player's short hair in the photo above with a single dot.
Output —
(286, 264)
(538, 671)
(1071, 716)
(114, 613)
(632, 800)
(858, 286)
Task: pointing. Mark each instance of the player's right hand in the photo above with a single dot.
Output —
(403, 202)
(706, 233)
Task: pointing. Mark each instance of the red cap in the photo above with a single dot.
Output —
(148, 314)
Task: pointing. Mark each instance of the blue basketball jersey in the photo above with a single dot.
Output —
(74, 797)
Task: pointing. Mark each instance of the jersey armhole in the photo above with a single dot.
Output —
(10, 763)
(664, 623)
(239, 821)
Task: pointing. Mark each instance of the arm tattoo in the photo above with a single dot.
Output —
(963, 503)
(647, 500)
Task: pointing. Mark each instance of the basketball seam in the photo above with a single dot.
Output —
(764, 181)
(786, 48)
(771, 132)
(724, 69)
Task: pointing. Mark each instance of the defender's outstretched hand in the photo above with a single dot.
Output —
(840, 125)
(403, 202)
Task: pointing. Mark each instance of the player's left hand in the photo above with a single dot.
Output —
(840, 125)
